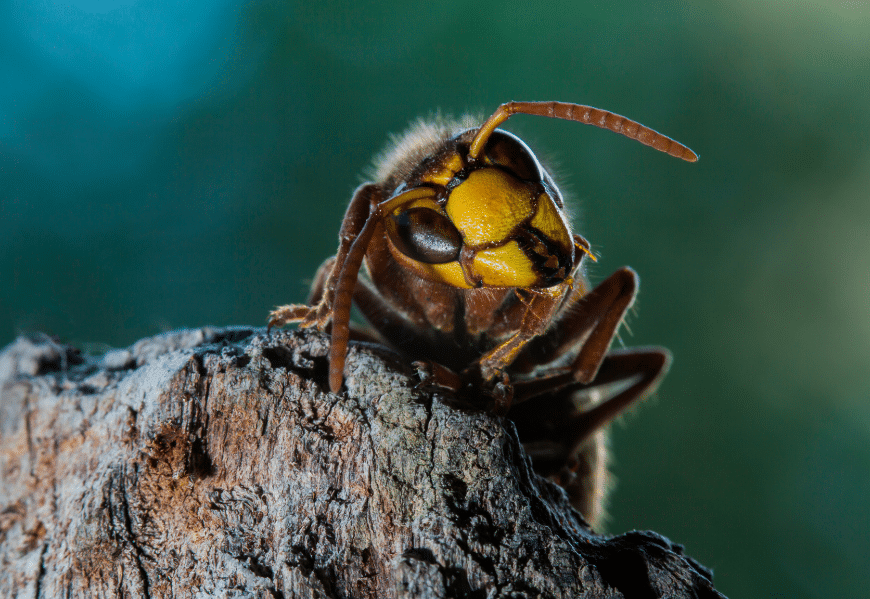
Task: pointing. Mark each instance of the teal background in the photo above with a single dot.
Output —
(168, 165)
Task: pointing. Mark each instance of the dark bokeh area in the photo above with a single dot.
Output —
(168, 165)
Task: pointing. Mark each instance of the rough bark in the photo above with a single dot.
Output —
(214, 463)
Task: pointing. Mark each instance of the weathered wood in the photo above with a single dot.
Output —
(214, 463)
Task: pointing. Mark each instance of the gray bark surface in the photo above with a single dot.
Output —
(215, 463)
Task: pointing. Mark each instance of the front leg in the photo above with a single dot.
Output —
(284, 315)
(320, 314)
(588, 328)
(540, 304)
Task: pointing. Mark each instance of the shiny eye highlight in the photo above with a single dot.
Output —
(424, 235)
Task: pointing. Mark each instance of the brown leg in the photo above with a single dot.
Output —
(643, 368)
(590, 323)
(354, 219)
(648, 366)
(284, 315)
(540, 306)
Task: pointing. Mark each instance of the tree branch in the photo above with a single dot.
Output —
(214, 462)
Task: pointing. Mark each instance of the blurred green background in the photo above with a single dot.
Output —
(168, 165)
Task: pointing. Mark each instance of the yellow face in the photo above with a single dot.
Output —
(483, 225)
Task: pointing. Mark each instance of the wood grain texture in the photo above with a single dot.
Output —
(214, 463)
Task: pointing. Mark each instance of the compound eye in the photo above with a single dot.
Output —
(424, 235)
(508, 151)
